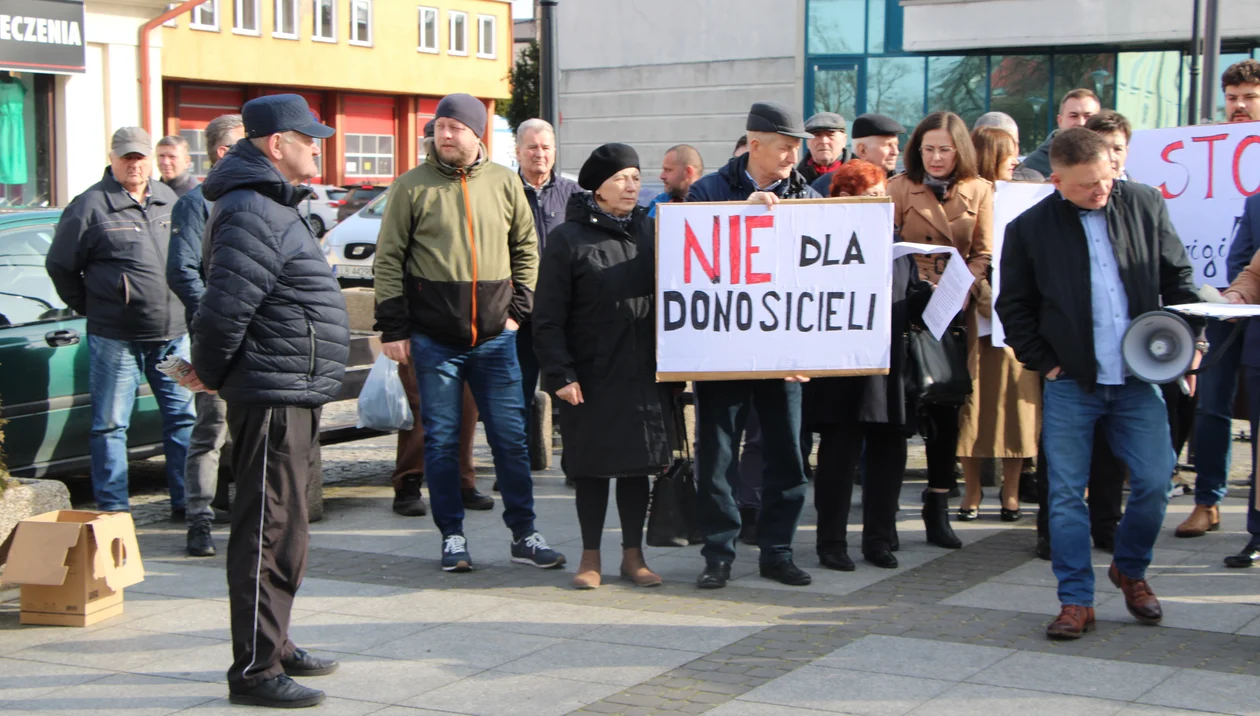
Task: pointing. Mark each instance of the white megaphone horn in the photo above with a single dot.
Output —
(1158, 347)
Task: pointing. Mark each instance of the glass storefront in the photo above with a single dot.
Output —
(854, 65)
(26, 157)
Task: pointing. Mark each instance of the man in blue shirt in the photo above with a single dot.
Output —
(680, 168)
(1076, 268)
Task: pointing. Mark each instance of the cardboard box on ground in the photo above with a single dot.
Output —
(72, 565)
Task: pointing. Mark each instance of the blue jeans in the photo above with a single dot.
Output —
(1213, 437)
(492, 372)
(116, 368)
(1135, 422)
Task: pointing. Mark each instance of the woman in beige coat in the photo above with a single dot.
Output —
(942, 200)
(1002, 416)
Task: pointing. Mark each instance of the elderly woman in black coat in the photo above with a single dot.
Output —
(594, 333)
(865, 416)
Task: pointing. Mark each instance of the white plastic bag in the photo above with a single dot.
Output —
(383, 402)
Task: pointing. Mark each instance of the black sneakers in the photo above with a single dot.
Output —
(200, 543)
(303, 663)
(280, 692)
(714, 576)
(408, 501)
(533, 550)
(455, 557)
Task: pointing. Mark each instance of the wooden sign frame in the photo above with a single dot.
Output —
(682, 376)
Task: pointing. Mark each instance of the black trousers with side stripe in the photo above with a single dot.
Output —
(275, 450)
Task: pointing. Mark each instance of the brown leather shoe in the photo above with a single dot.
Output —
(1138, 597)
(1073, 621)
(1202, 520)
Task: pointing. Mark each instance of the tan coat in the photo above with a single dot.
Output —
(964, 220)
(1247, 284)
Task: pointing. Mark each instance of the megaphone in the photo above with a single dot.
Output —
(1158, 347)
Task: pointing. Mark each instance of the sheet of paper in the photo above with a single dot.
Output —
(984, 326)
(902, 248)
(1220, 311)
(948, 298)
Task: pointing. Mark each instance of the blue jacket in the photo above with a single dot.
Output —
(662, 198)
(184, 271)
(272, 328)
(549, 204)
(1246, 240)
(731, 183)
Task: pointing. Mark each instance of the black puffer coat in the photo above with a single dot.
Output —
(272, 327)
(874, 398)
(594, 324)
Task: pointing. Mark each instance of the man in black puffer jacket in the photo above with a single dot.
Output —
(272, 336)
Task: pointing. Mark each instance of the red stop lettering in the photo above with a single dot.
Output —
(1211, 164)
(1163, 188)
(1242, 146)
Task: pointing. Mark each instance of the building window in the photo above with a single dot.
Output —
(486, 40)
(324, 20)
(959, 85)
(1147, 90)
(894, 87)
(1095, 72)
(369, 155)
(245, 17)
(428, 30)
(196, 139)
(206, 16)
(837, 27)
(836, 89)
(286, 19)
(26, 156)
(360, 22)
(459, 33)
(171, 22)
(1019, 85)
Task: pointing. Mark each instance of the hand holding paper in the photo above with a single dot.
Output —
(951, 291)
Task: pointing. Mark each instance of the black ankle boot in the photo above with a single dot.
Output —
(936, 520)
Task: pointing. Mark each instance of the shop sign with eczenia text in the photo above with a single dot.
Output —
(42, 36)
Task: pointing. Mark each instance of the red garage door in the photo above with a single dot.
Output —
(195, 106)
(369, 137)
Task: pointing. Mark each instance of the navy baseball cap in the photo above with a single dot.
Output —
(282, 113)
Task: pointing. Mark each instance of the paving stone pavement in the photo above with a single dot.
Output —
(950, 632)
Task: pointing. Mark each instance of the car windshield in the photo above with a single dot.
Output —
(367, 193)
(336, 194)
(376, 207)
(26, 292)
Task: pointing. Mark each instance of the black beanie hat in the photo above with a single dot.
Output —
(467, 109)
(604, 162)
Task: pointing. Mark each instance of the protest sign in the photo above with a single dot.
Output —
(1205, 173)
(747, 292)
(1010, 199)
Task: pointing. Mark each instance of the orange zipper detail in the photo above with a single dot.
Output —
(472, 244)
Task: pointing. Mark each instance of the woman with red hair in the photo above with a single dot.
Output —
(850, 412)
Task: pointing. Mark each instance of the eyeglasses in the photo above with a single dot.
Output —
(938, 151)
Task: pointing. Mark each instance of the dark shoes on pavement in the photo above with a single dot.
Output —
(408, 500)
(474, 500)
(882, 558)
(839, 561)
(179, 514)
(786, 572)
(455, 557)
(1249, 557)
(1203, 519)
(1043, 547)
(1072, 622)
(532, 549)
(714, 576)
(279, 692)
(1138, 597)
(303, 663)
(200, 543)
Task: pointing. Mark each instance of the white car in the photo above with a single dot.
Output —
(321, 209)
(351, 247)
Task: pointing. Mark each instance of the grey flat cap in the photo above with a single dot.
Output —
(775, 117)
(825, 122)
(131, 140)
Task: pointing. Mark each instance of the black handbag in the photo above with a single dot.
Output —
(937, 370)
(672, 510)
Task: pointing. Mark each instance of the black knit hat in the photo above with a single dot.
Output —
(465, 108)
(605, 162)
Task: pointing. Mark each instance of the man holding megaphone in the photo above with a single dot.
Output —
(1077, 268)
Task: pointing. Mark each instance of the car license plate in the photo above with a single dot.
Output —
(342, 271)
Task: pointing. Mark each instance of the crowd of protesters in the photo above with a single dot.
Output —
(490, 283)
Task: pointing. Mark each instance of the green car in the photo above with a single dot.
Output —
(44, 362)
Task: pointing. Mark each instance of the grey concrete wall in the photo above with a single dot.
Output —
(655, 73)
(935, 25)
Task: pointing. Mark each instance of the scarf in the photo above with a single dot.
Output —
(939, 187)
(622, 222)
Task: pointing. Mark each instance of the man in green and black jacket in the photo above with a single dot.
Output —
(456, 261)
